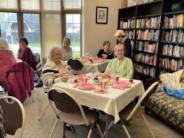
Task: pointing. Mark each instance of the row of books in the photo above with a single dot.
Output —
(152, 22)
(170, 50)
(147, 34)
(130, 34)
(146, 47)
(173, 35)
(145, 70)
(174, 21)
(146, 58)
(171, 64)
(130, 23)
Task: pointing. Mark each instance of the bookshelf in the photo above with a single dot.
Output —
(157, 37)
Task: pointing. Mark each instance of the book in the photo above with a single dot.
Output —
(173, 50)
(171, 64)
(149, 22)
(145, 70)
(146, 58)
(147, 35)
(173, 36)
(146, 47)
(174, 21)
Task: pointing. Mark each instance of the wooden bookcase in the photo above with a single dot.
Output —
(157, 45)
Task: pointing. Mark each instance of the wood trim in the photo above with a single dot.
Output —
(63, 22)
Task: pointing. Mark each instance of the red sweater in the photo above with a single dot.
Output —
(27, 56)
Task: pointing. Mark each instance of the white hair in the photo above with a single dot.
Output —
(3, 44)
(51, 51)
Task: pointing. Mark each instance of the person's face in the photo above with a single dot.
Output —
(66, 43)
(120, 38)
(56, 56)
(107, 47)
(22, 44)
(119, 51)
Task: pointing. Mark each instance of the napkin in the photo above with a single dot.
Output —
(121, 84)
(84, 86)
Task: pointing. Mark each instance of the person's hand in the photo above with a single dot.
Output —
(65, 78)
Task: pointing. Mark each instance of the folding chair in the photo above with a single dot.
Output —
(69, 110)
(126, 121)
(13, 114)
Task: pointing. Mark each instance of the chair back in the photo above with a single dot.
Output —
(149, 90)
(13, 114)
(66, 103)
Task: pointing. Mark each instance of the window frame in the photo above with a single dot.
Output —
(63, 12)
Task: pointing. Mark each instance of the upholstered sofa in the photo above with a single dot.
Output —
(167, 108)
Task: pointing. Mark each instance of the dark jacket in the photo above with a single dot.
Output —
(109, 55)
(128, 47)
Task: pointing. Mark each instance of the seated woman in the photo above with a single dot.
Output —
(6, 57)
(120, 65)
(106, 52)
(25, 53)
(54, 70)
(66, 50)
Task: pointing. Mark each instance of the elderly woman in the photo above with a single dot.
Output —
(54, 70)
(66, 50)
(6, 57)
(120, 65)
(25, 53)
(106, 52)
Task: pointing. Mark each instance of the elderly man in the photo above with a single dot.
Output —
(120, 65)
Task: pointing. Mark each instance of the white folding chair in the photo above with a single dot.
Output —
(69, 110)
(13, 114)
(125, 121)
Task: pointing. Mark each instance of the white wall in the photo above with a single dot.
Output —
(94, 34)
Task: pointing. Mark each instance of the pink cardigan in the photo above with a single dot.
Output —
(19, 80)
(6, 61)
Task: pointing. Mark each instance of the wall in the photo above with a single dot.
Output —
(94, 34)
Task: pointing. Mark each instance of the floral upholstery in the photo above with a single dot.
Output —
(168, 108)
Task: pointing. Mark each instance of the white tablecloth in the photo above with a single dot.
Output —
(111, 102)
(95, 67)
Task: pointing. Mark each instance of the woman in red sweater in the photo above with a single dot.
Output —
(25, 53)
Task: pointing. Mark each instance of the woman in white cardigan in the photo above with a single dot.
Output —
(54, 70)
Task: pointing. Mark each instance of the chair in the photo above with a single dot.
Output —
(70, 111)
(13, 114)
(126, 121)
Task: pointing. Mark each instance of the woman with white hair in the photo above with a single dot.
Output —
(6, 58)
(3, 44)
(54, 70)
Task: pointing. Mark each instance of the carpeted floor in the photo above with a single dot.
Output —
(42, 129)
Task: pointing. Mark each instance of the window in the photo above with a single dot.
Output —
(72, 4)
(42, 23)
(30, 4)
(31, 23)
(8, 4)
(73, 32)
(51, 32)
(54, 5)
(9, 29)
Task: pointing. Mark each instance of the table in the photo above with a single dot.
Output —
(111, 102)
(94, 64)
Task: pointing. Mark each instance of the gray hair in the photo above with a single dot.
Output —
(3, 44)
(51, 51)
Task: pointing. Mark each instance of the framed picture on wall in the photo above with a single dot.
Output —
(101, 15)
